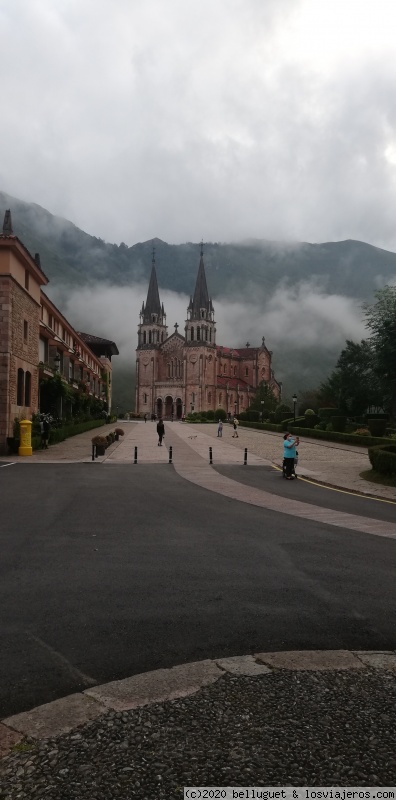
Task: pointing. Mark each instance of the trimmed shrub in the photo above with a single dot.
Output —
(383, 459)
(338, 423)
(326, 413)
(220, 414)
(377, 426)
(261, 426)
(309, 412)
(210, 414)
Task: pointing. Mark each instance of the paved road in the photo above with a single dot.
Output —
(111, 570)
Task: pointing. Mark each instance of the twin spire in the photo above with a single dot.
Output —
(200, 302)
(153, 306)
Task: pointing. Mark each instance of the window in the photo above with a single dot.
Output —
(43, 350)
(157, 336)
(234, 370)
(149, 337)
(209, 397)
(206, 334)
(192, 333)
(71, 370)
(144, 337)
(25, 330)
(50, 321)
(28, 385)
(220, 398)
(145, 399)
(246, 371)
(27, 279)
(210, 334)
(198, 332)
(224, 368)
(20, 387)
(162, 336)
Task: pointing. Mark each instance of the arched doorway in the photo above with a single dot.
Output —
(159, 408)
(179, 408)
(168, 407)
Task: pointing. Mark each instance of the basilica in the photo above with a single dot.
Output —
(177, 374)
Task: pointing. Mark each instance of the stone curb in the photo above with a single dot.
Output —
(63, 716)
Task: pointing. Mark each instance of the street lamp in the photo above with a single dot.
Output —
(294, 398)
(262, 411)
(57, 361)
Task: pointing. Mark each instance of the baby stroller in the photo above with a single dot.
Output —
(294, 467)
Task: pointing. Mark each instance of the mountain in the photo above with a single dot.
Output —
(70, 256)
(235, 271)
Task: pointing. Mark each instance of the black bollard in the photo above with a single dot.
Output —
(135, 459)
(210, 456)
(245, 458)
(170, 455)
(93, 452)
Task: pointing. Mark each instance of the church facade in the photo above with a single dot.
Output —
(177, 374)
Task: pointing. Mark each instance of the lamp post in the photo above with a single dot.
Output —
(262, 411)
(294, 406)
(57, 360)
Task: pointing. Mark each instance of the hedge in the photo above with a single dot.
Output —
(383, 459)
(330, 436)
(60, 434)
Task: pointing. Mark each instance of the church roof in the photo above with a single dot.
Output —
(237, 352)
(232, 383)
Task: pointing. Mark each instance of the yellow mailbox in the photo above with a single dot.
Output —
(25, 435)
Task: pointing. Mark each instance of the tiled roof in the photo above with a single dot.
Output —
(237, 352)
(231, 382)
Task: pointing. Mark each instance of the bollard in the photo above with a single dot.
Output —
(210, 456)
(245, 458)
(135, 459)
(170, 455)
(93, 452)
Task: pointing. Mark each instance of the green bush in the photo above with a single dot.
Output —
(220, 414)
(326, 413)
(377, 426)
(338, 423)
(261, 426)
(383, 459)
(309, 412)
(204, 414)
(210, 414)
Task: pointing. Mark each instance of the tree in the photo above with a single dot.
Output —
(353, 386)
(265, 395)
(381, 321)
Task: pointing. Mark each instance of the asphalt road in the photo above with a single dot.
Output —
(108, 571)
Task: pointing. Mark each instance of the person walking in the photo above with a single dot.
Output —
(220, 429)
(236, 423)
(289, 454)
(160, 431)
(46, 432)
(145, 417)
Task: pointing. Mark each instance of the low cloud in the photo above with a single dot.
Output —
(294, 319)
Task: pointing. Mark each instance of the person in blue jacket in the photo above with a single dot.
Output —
(289, 453)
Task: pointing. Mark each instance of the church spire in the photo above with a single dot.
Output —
(153, 305)
(201, 301)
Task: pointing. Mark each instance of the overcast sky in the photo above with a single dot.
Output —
(220, 119)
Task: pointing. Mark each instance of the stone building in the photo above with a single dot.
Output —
(177, 374)
(37, 342)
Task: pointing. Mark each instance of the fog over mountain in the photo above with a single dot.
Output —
(305, 299)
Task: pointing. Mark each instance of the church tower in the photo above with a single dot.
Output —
(200, 357)
(152, 332)
(200, 324)
(152, 327)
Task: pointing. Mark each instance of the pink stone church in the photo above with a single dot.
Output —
(177, 374)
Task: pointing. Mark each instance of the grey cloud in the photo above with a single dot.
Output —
(182, 120)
